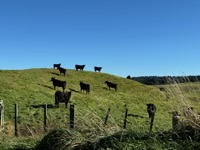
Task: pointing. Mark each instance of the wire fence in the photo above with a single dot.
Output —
(42, 118)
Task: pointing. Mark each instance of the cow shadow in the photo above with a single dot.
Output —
(73, 90)
(105, 88)
(42, 106)
(136, 116)
(76, 91)
(54, 73)
(46, 86)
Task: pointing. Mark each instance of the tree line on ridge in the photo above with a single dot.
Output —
(160, 80)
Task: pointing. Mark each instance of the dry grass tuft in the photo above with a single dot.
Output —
(189, 118)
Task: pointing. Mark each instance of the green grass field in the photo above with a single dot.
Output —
(33, 87)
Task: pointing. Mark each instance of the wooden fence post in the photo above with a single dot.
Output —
(45, 118)
(71, 122)
(16, 119)
(152, 120)
(174, 120)
(107, 115)
(125, 118)
(2, 114)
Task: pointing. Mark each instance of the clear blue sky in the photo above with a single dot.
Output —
(125, 37)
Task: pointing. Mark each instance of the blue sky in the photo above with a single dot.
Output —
(125, 37)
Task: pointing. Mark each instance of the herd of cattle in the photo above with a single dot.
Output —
(65, 96)
(77, 67)
(83, 86)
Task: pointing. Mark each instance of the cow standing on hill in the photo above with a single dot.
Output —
(62, 97)
(62, 70)
(80, 67)
(56, 65)
(59, 83)
(111, 85)
(84, 86)
(128, 77)
(97, 68)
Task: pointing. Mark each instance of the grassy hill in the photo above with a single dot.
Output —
(32, 87)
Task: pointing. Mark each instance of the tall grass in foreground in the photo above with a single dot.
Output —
(90, 131)
(186, 108)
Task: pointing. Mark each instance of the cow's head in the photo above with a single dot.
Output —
(52, 79)
(150, 106)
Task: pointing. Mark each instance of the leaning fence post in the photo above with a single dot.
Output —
(71, 122)
(151, 109)
(174, 120)
(16, 119)
(125, 118)
(107, 115)
(152, 120)
(45, 118)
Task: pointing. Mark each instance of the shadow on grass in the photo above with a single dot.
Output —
(46, 86)
(137, 116)
(73, 90)
(42, 106)
(54, 73)
(111, 89)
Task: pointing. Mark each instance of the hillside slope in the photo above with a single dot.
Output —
(33, 87)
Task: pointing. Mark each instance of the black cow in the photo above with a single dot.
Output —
(58, 83)
(62, 70)
(97, 68)
(80, 67)
(56, 65)
(62, 97)
(111, 85)
(84, 86)
(128, 77)
(151, 109)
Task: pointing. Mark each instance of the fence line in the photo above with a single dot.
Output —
(72, 118)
